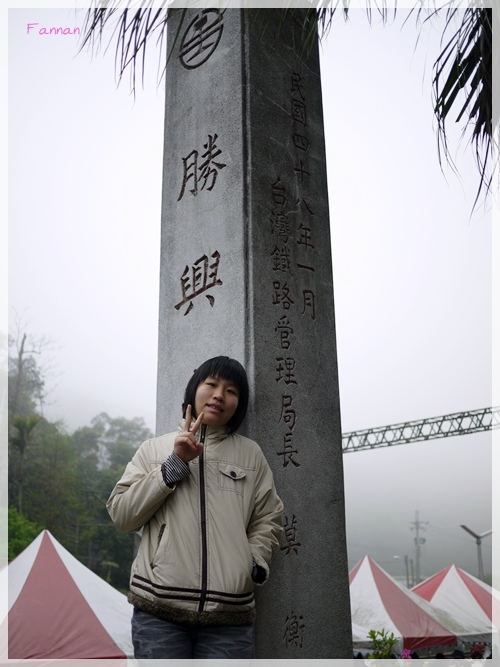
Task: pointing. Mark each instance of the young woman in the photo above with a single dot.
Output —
(205, 500)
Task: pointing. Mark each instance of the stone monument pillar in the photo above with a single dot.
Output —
(246, 272)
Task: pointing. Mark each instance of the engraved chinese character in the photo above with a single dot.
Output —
(280, 226)
(208, 169)
(294, 629)
(281, 259)
(301, 170)
(278, 192)
(300, 142)
(301, 201)
(305, 237)
(292, 543)
(287, 414)
(296, 85)
(288, 451)
(201, 38)
(282, 295)
(299, 112)
(306, 267)
(285, 370)
(309, 303)
(199, 278)
(285, 330)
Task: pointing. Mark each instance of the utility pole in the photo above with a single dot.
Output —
(478, 542)
(417, 526)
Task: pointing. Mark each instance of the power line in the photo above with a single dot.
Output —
(457, 423)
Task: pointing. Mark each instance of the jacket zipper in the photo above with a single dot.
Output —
(203, 525)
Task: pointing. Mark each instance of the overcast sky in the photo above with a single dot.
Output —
(412, 267)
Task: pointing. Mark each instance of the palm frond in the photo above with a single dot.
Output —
(131, 32)
(24, 429)
(462, 72)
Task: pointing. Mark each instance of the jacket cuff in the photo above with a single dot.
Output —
(173, 470)
(258, 574)
(262, 570)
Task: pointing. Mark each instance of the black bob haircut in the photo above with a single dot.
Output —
(222, 368)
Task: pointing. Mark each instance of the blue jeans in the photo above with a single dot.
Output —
(154, 638)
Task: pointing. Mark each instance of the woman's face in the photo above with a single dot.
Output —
(217, 399)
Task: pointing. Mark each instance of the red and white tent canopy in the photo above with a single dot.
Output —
(378, 602)
(470, 600)
(58, 608)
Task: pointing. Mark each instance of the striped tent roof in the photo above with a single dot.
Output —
(58, 608)
(378, 602)
(473, 602)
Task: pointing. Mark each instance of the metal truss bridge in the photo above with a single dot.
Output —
(457, 423)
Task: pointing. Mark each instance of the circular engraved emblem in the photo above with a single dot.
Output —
(201, 38)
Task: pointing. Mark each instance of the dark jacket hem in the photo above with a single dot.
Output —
(192, 617)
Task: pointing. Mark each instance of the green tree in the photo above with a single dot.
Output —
(86, 446)
(462, 82)
(61, 482)
(21, 439)
(54, 497)
(102, 451)
(28, 367)
(103, 542)
(118, 438)
(22, 532)
(26, 385)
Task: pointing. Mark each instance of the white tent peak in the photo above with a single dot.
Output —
(472, 601)
(379, 602)
(58, 608)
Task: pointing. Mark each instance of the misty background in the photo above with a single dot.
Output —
(412, 263)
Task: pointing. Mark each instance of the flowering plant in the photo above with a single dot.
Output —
(406, 653)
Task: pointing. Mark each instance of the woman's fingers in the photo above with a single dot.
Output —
(188, 418)
(188, 426)
(196, 425)
(186, 443)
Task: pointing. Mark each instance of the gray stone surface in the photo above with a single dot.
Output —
(246, 272)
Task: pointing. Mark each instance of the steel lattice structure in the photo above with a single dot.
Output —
(458, 423)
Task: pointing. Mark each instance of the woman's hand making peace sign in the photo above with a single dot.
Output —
(186, 445)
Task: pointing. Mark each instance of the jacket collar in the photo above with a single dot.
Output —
(212, 434)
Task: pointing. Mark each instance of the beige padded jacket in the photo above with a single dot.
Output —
(199, 539)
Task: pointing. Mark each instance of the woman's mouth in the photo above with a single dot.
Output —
(214, 408)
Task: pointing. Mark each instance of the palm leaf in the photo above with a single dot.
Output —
(463, 68)
(24, 429)
(132, 30)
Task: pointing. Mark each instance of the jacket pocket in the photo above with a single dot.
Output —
(158, 540)
(231, 478)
